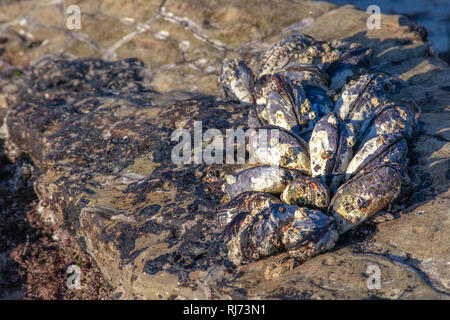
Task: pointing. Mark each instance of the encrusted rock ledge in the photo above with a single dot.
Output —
(98, 132)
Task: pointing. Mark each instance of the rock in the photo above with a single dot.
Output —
(97, 125)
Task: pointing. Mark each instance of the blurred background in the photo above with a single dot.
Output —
(433, 14)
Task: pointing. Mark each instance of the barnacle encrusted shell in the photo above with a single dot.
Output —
(302, 231)
(366, 194)
(290, 107)
(310, 233)
(302, 75)
(271, 179)
(389, 118)
(314, 81)
(254, 119)
(331, 149)
(360, 139)
(359, 99)
(306, 74)
(340, 59)
(233, 228)
(386, 148)
(285, 103)
(276, 146)
(306, 192)
(237, 80)
(283, 52)
(319, 99)
(354, 60)
(244, 202)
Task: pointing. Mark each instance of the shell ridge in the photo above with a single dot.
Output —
(356, 102)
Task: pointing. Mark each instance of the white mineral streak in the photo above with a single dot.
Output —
(201, 62)
(129, 177)
(127, 20)
(191, 26)
(210, 69)
(184, 45)
(123, 218)
(162, 35)
(299, 25)
(109, 53)
(385, 127)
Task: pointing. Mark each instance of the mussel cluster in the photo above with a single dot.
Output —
(340, 156)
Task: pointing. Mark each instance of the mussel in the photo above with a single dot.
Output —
(359, 100)
(245, 202)
(303, 232)
(308, 192)
(386, 148)
(366, 194)
(331, 149)
(279, 147)
(271, 179)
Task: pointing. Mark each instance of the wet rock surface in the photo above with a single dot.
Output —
(97, 123)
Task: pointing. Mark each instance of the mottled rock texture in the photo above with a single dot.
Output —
(96, 122)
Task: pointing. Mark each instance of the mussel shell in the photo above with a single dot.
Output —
(306, 192)
(233, 227)
(279, 147)
(359, 100)
(282, 52)
(288, 106)
(353, 62)
(283, 103)
(320, 100)
(254, 119)
(387, 148)
(244, 202)
(271, 179)
(303, 231)
(259, 235)
(237, 80)
(281, 114)
(306, 74)
(310, 233)
(331, 149)
(263, 86)
(366, 194)
(388, 119)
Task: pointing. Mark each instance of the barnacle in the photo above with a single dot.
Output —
(353, 151)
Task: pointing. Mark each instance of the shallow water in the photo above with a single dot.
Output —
(433, 14)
